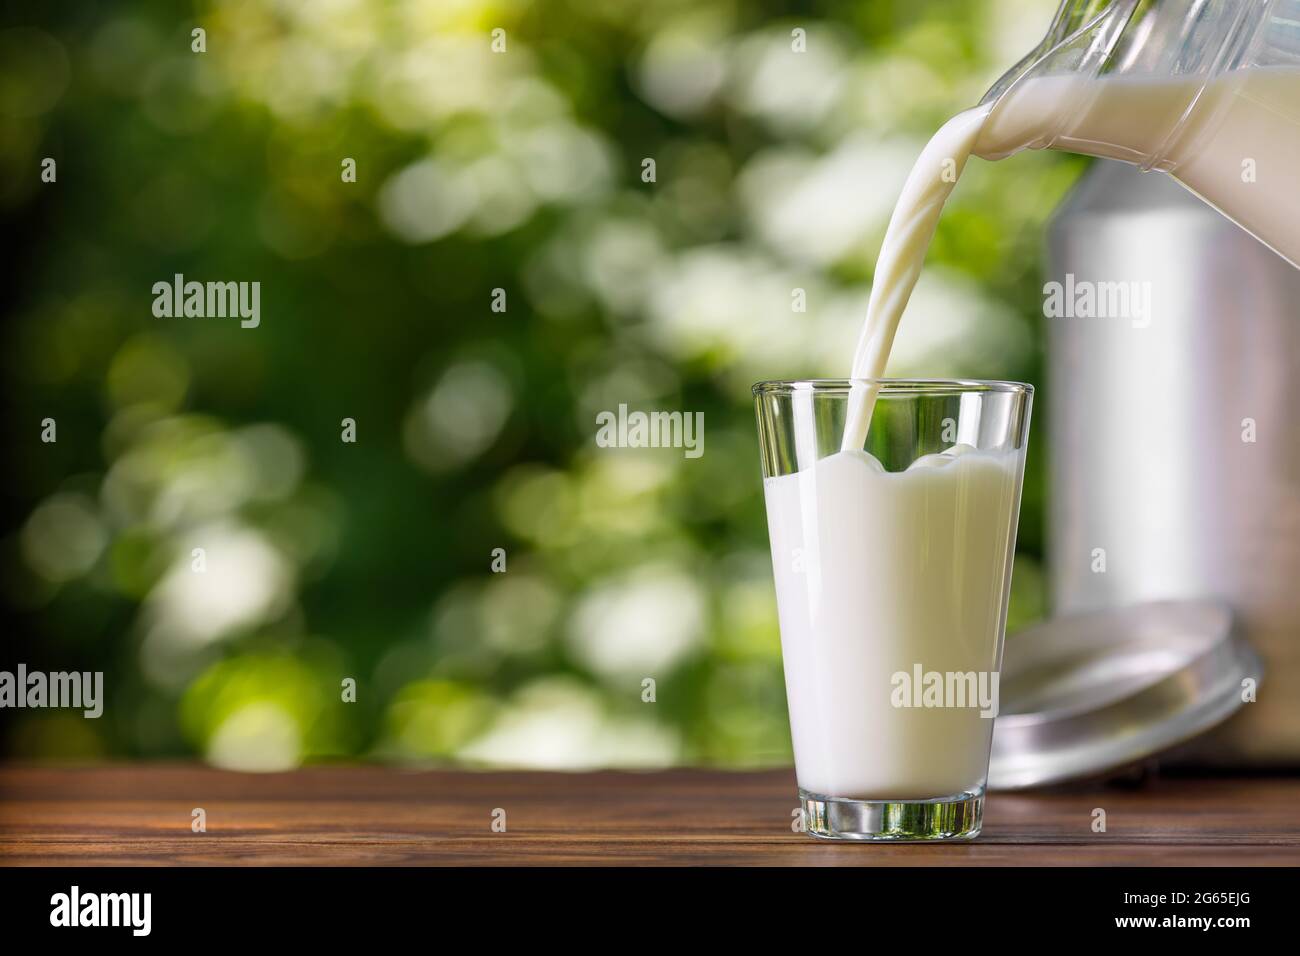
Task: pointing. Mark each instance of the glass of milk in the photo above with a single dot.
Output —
(893, 567)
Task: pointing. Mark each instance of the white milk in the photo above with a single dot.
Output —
(911, 227)
(877, 573)
(909, 568)
(1239, 151)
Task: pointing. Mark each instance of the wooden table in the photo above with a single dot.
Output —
(372, 815)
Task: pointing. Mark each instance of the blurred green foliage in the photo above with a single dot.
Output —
(476, 171)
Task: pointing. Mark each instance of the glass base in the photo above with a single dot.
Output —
(897, 821)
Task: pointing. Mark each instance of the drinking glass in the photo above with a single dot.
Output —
(893, 569)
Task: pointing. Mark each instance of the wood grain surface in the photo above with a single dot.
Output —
(141, 815)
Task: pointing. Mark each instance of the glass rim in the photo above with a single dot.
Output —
(893, 386)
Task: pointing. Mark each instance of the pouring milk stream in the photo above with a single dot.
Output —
(1230, 132)
(1240, 152)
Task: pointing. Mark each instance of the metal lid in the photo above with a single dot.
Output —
(1086, 694)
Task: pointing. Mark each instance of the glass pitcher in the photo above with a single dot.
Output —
(1206, 90)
